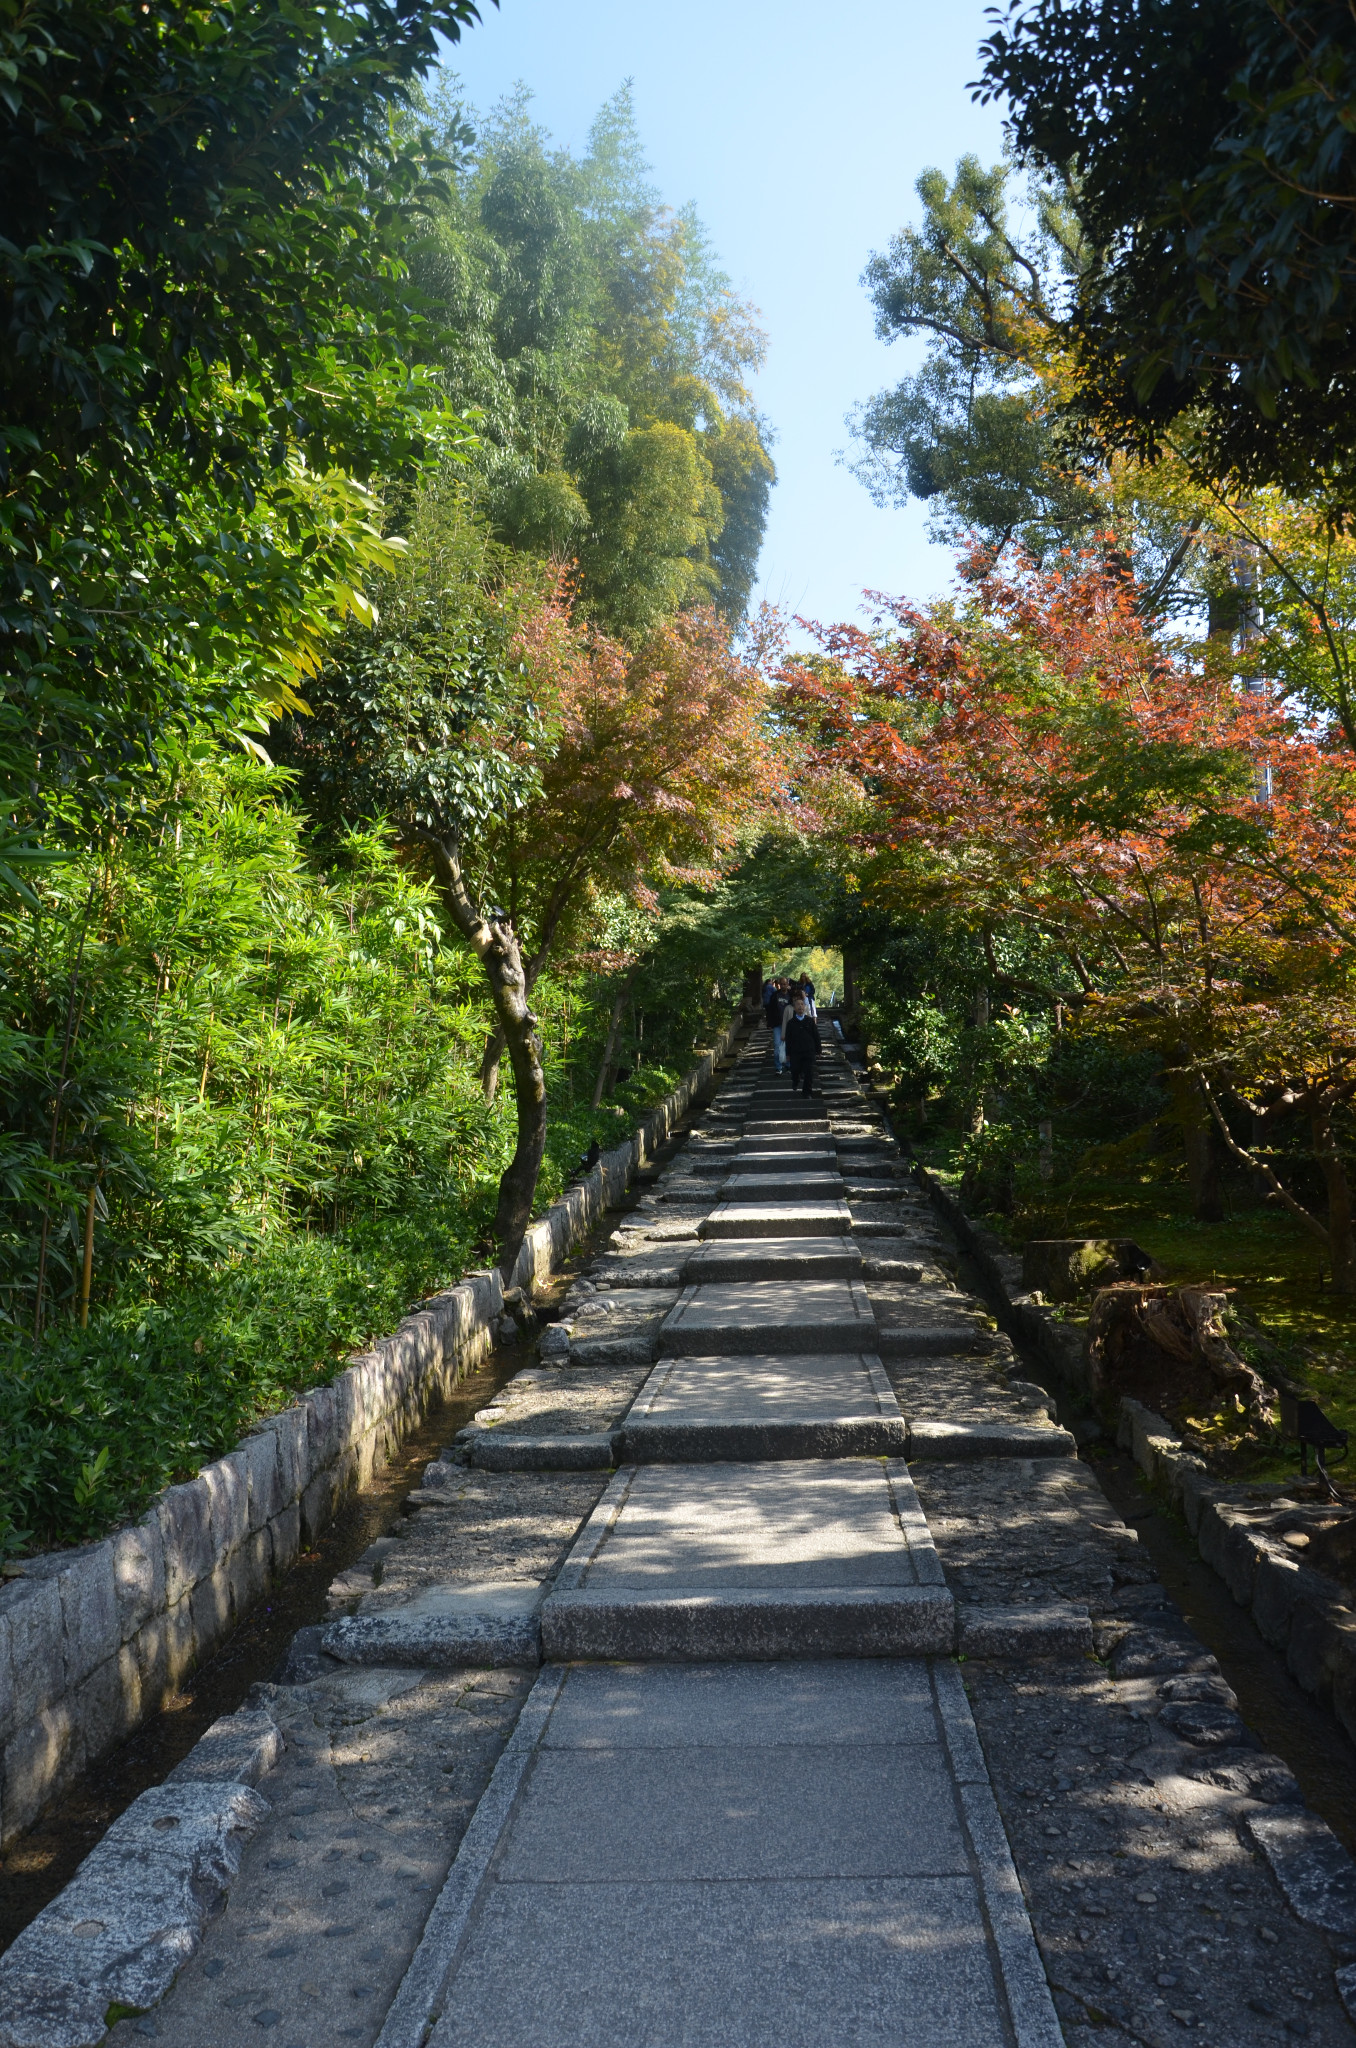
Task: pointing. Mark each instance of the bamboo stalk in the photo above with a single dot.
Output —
(87, 1270)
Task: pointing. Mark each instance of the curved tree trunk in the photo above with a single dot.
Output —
(1341, 1233)
(605, 1071)
(496, 1045)
(496, 947)
(1190, 1113)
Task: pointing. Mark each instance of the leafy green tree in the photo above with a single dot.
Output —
(1211, 150)
(204, 331)
(974, 430)
(608, 359)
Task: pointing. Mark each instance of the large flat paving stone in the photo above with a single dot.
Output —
(798, 1125)
(718, 1855)
(705, 1706)
(779, 1187)
(692, 1562)
(779, 1143)
(748, 1812)
(774, 1258)
(755, 1158)
(797, 1218)
(877, 1962)
(820, 1406)
(769, 1315)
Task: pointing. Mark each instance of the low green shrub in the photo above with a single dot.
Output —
(94, 1422)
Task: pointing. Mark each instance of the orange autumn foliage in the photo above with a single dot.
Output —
(1032, 759)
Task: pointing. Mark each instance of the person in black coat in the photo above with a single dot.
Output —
(802, 1045)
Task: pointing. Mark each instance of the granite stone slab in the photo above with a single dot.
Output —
(493, 1623)
(800, 1527)
(130, 1918)
(771, 1258)
(721, 1706)
(824, 1405)
(505, 1450)
(776, 1219)
(767, 1315)
(817, 1140)
(745, 1811)
(754, 1158)
(877, 1962)
(776, 1187)
(935, 1439)
(694, 1625)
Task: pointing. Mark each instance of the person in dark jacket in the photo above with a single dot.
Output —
(802, 1045)
(775, 1011)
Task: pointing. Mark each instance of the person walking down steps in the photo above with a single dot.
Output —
(775, 1011)
(801, 1033)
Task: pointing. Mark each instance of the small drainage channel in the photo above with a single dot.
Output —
(1291, 1724)
(38, 1863)
(1289, 1721)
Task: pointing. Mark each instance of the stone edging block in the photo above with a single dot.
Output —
(1299, 1612)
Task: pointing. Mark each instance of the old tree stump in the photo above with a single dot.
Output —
(1166, 1346)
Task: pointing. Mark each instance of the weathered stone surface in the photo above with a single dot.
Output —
(782, 1187)
(765, 1315)
(1312, 1867)
(129, 1919)
(1045, 1631)
(698, 1626)
(238, 1749)
(502, 1450)
(798, 1218)
(493, 1623)
(998, 1439)
(774, 1406)
(772, 1258)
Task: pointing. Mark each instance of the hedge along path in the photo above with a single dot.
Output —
(743, 1798)
(93, 1639)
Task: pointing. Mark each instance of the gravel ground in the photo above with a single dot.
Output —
(380, 1777)
(1156, 1914)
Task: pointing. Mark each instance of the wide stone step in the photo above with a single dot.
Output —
(769, 1144)
(795, 1124)
(775, 1258)
(765, 1315)
(699, 1410)
(694, 1627)
(824, 1558)
(777, 1219)
(808, 1186)
(753, 1157)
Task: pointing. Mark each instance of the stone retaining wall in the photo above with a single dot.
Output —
(92, 1639)
(1300, 1612)
(1036, 1327)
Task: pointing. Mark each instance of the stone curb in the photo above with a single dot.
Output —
(1037, 1329)
(1030, 2006)
(134, 1913)
(1063, 1630)
(1296, 1609)
(418, 2002)
(92, 1639)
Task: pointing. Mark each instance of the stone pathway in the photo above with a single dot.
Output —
(732, 1679)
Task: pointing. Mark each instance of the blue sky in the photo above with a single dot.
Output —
(798, 131)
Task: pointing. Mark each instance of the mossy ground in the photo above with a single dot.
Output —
(1271, 1264)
